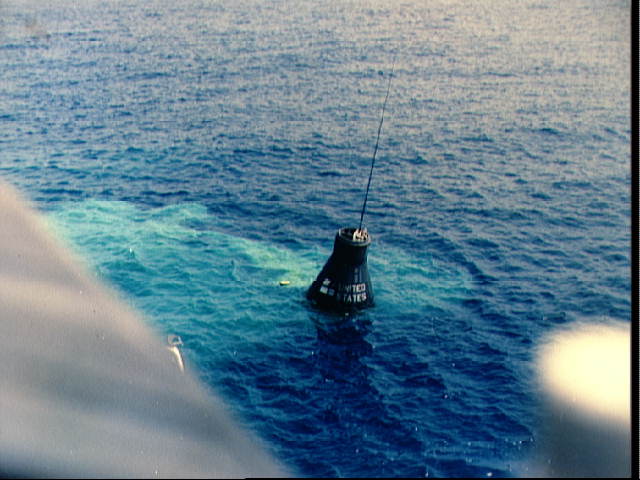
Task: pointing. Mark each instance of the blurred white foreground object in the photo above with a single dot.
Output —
(86, 388)
(585, 375)
(173, 342)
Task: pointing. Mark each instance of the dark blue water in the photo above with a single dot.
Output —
(196, 153)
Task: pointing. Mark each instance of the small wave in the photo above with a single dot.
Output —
(500, 74)
(481, 138)
(331, 173)
(147, 76)
(541, 196)
(549, 132)
(483, 243)
(572, 184)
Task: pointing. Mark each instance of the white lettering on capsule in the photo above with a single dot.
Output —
(352, 293)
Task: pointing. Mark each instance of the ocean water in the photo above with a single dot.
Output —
(197, 153)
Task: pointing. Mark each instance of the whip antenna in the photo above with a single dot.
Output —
(375, 150)
(343, 285)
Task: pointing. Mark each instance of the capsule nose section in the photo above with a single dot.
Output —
(343, 285)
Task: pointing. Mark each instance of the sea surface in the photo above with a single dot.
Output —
(197, 153)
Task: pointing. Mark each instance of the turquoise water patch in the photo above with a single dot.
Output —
(177, 267)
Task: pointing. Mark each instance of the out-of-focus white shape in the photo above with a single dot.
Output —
(585, 375)
(174, 342)
(590, 368)
(86, 388)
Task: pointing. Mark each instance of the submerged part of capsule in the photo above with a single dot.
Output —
(343, 285)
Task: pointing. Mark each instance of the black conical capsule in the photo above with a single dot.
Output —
(343, 284)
